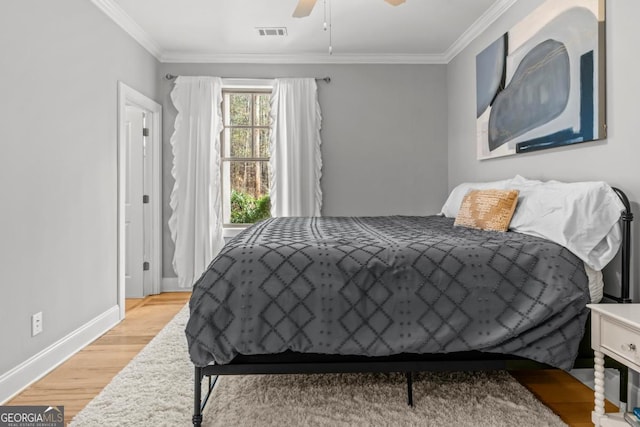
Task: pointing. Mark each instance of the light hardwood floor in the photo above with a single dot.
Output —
(75, 382)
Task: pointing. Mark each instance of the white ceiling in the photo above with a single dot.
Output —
(371, 31)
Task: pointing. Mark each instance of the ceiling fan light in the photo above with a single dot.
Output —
(395, 2)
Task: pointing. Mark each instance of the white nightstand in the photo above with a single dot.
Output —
(615, 331)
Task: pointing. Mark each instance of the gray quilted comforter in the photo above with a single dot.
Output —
(379, 286)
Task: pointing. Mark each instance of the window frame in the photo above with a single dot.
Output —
(262, 88)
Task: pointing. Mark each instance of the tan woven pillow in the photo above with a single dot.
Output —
(487, 209)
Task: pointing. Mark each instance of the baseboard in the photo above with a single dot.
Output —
(36, 367)
(170, 284)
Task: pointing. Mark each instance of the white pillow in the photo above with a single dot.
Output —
(581, 216)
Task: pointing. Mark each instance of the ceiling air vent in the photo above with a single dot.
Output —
(272, 31)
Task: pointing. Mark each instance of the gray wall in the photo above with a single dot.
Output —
(614, 160)
(61, 61)
(384, 136)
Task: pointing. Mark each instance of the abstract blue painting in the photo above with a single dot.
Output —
(541, 84)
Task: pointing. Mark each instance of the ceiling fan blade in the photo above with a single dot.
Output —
(304, 8)
(395, 2)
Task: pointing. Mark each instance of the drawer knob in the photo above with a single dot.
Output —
(631, 347)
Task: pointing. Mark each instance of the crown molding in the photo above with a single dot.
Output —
(131, 27)
(261, 58)
(478, 27)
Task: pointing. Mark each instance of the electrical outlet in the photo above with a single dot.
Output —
(36, 324)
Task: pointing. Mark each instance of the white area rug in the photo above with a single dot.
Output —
(155, 389)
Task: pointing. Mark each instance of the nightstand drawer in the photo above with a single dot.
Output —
(621, 340)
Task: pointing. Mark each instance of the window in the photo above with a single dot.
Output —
(245, 151)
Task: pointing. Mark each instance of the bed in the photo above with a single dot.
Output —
(408, 294)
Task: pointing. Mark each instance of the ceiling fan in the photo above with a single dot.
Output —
(305, 7)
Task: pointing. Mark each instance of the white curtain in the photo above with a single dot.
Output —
(296, 161)
(196, 220)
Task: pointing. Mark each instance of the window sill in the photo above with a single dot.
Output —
(229, 232)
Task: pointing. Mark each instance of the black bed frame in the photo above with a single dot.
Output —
(298, 363)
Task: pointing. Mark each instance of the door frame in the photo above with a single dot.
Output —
(128, 96)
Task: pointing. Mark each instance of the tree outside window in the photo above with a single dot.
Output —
(245, 151)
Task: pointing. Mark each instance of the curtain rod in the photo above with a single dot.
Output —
(324, 79)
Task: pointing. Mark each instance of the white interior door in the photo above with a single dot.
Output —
(134, 207)
(147, 212)
(139, 173)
